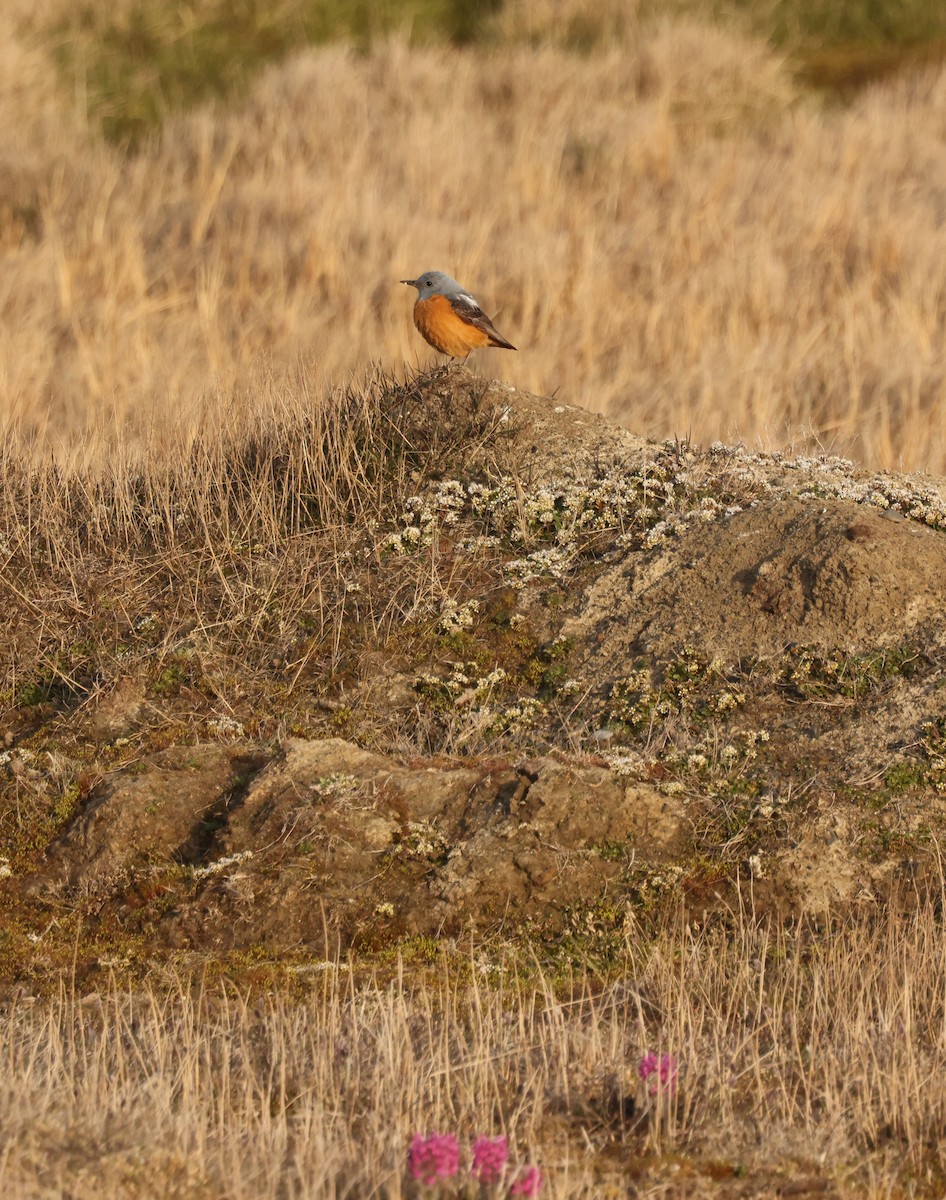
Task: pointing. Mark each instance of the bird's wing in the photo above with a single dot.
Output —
(468, 310)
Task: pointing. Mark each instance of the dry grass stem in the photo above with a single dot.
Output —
(801, 1053)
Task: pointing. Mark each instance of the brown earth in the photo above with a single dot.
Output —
(755, 704)
(785, 571)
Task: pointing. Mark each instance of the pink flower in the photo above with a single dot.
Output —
(432, 1158)
(490, 1156)
(664, 1067)
(528, 1183)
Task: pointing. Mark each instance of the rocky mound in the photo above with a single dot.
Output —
(328, 844)
(652, 675)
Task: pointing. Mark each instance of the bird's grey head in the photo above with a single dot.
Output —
(435, 283)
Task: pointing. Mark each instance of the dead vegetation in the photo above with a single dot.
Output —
(440, 569)
(446, 567)
(809, 1062)
(674, 233)
(398, 563)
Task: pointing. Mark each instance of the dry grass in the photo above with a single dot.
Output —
(243, 557)
(664, 227)
(803, 1056)
(235, 582)
(671, 233)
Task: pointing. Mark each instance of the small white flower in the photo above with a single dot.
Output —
(225, 727)
(454, 618)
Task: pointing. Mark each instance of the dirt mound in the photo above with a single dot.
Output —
(325, 846)
(815, 571)
(587, 677)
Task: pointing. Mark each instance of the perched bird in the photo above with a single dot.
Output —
(448, 317)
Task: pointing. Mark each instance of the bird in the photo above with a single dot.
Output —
(448, 317)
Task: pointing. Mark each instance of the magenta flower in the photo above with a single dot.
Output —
(528, 1184)
(490, 1156)
(665, 1069)
(432, 1158)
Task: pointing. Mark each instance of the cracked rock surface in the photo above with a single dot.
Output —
(330, 845)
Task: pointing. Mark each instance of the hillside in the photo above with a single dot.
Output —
(627, 743)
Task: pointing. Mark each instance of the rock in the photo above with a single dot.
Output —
(328, 844)
(164, 813)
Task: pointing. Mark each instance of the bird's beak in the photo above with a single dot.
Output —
(412, 282)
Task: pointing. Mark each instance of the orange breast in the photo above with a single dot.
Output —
(444, 330)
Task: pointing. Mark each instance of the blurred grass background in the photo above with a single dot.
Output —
(139, 61)
(704, 217)
(154, 57)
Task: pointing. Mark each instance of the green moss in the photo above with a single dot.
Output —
(34, 691)
(905, 777)
(547, 667)
(170, 681)
(177, 671)
(69, 677)
(613, 851)
(878, 840)
(815, 674)
(67, 802)
(594, 935)
(341, 721)
(419, 949)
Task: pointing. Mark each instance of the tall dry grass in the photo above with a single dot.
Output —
(803, 1056)
(665, 228)
(237, 574)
